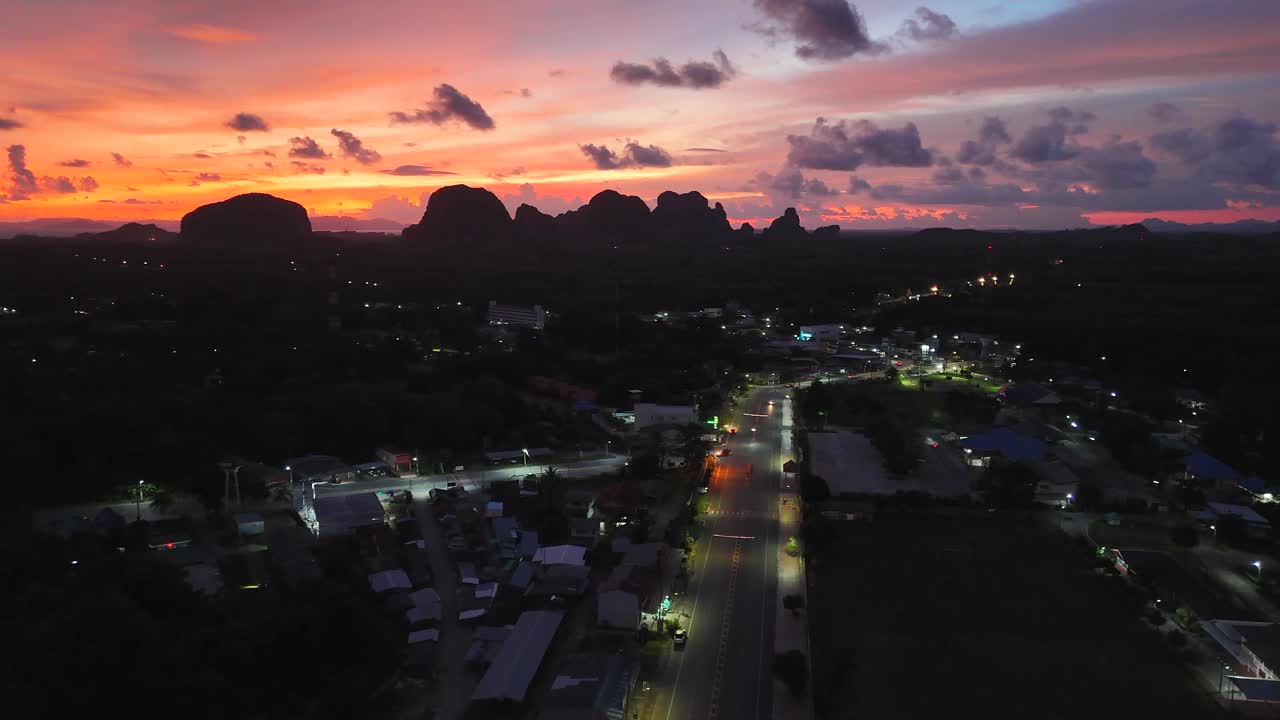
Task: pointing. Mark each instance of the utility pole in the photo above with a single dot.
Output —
(139, 504)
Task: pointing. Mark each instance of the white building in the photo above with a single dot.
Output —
(651, 414)
(531, 317)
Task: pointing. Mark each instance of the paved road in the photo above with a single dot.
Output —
(476, 479)
(725, 671)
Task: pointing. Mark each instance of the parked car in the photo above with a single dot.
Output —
(681, 637)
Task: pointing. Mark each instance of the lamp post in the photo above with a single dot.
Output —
(1258, 564)
(526, 455)
(606, 447)
(139, 502)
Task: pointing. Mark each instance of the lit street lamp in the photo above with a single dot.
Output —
(1258, 564)
(139, 518)
(526, 455)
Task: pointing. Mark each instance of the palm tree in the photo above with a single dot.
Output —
(161, 498)
(552, 487)
(694, 449)
(281, 493)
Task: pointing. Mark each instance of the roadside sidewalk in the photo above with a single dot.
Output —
(791, 630)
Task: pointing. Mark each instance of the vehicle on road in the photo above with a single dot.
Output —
(703, 489)
(681, 637)
(724, 452)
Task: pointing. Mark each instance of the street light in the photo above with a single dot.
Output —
(526, 455)
(139, 518)
(1258, 564)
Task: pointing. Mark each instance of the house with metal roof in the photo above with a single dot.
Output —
(1003, 443)
(509, 676)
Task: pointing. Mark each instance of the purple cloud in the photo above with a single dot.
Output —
(353, 147)
(448, 104)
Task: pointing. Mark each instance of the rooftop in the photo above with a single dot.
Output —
(512, 671)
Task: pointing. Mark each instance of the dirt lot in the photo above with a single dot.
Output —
(927, 615)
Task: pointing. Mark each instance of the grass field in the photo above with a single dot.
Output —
(960, 615)
(949, 381)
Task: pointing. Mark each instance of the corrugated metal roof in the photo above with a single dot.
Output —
(509, 676)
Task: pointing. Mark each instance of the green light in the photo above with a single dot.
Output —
(714, 421)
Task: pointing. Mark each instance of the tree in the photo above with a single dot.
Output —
(694, 449)
(161, 498)
(814, 489)
(1185, 535)
(792, 668)
(552, 489)
(1009, 484)
(794, 603)
(793, 546)
(1089, 495)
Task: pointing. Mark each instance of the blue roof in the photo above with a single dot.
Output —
(1208, 467)
(1011, 445)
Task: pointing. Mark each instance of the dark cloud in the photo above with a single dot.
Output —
(133, 201)
(306, 147)
(983, 150)
(846, 146)
(822, 29)
(22, 181)
(694, 74)
(1117, 165)
(702, 149)
(949, 176)
(1237, 150)
(858, 185)
(88, 184)
(1048, 143)
(1076, 121)
(353, 147)
(305, 167)
(518, 170)
(9, 124)
(61, 184)
(928, 26)
(557, 72)
(75, 163)
(240, 139)
(248, 122)
(1164, 111)
(633, 155)
(448, 104)
(793, 184)
(415, 170)
(200, 156)
(120, 160)
(209, 177)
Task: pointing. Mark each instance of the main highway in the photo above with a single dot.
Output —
(725, 668)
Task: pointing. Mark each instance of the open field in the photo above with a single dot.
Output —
(958, 614)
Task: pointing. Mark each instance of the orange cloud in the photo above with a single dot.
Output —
(212, 34)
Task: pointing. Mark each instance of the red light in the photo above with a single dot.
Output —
(169, 545)
(935, 444)
(988, 247)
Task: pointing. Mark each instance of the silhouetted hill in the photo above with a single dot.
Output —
(246, 221)
(607, 219)
(460, 214)
(689, 216)
(533, 224)
(785, 228)
(134, 233)
(1241, 227)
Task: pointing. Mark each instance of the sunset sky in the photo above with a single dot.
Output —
(1029, 113)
